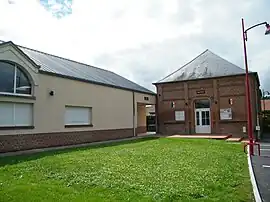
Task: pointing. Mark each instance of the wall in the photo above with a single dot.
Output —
(111, 108)
(219, 91)
(141, 119)
(141, 100)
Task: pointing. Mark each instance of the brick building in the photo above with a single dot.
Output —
(206, 95)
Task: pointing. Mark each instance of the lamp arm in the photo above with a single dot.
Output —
(259, 24)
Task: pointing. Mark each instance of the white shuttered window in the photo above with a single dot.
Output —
(16, 114)
(78, 115)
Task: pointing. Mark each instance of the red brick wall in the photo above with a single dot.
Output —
(219, 91)
(31, 141)
(141, 129)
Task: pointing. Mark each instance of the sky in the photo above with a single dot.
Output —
(142, 40)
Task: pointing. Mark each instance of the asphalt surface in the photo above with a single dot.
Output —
(261, 167)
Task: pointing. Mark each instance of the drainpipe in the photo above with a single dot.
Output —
(133, 100)
(156, 115)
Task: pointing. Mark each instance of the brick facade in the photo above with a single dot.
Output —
(141, 129)
(10, 143)
(218, 91)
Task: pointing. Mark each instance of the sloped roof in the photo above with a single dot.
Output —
(205, 65)
(71, 69)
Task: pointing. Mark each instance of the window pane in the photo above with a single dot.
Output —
(6, 114)
(23, 85)
(197, 118)
(23, 114)
(7, 72)
(77, 115)
(202, 104)
(207, 121)
(207, 118)
(203, 118)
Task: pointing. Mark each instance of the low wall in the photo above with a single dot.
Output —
(10, 143)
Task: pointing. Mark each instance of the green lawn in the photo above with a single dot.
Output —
(142, 170)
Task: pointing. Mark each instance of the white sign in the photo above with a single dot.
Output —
(179, 115)
(258, 128)
(244, 129)
(226, 114)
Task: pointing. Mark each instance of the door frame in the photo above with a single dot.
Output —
(200, 110)
(210, 113)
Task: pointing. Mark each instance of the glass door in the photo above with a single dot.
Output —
(202, 120)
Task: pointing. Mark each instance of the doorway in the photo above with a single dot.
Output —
(202, 116)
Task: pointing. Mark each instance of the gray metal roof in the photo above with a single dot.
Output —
(64, 67)
(206, 65)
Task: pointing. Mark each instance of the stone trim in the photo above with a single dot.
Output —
(16, 127)
(79, 126)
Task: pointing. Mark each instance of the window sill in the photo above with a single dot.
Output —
(231, 121)
(16, 127)
(18, 96)
(174, 122)
(79, 126)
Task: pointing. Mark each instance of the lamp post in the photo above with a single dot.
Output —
(249, 118)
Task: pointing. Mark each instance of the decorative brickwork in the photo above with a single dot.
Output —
(218, 91)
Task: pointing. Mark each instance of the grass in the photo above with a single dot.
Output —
(142, 170)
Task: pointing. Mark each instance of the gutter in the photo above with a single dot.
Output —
(207, 78)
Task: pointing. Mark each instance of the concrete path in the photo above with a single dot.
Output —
(261, 167)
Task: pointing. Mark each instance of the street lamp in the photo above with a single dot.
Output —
(249, 121)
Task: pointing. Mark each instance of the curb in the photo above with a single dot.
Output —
(253, 180)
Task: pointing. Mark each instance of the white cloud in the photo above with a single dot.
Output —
(142, 40)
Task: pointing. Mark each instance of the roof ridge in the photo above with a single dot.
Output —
(20, 46)
(184, 65)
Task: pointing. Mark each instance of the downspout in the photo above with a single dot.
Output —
(133, 113)
(156, 114)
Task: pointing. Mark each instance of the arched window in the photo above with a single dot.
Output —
(13, 80)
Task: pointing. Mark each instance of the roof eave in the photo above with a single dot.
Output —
(165, 82)
(10, 43)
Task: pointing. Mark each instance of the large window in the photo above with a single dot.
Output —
(16, 114)
(13, 80)
(78, 116)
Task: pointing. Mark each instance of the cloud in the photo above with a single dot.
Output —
(141, 40)
(219, 29)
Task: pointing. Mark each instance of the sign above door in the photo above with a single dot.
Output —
(200, 91)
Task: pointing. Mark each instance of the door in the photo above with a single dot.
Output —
(202, 120)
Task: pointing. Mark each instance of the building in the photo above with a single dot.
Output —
(150, 110)
(265, 104)
(206, 95)
(46, 101)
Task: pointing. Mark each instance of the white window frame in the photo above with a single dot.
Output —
(14, 115)
(90, 111)
(15, 83)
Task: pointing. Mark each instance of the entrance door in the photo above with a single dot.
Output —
(202, 116)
